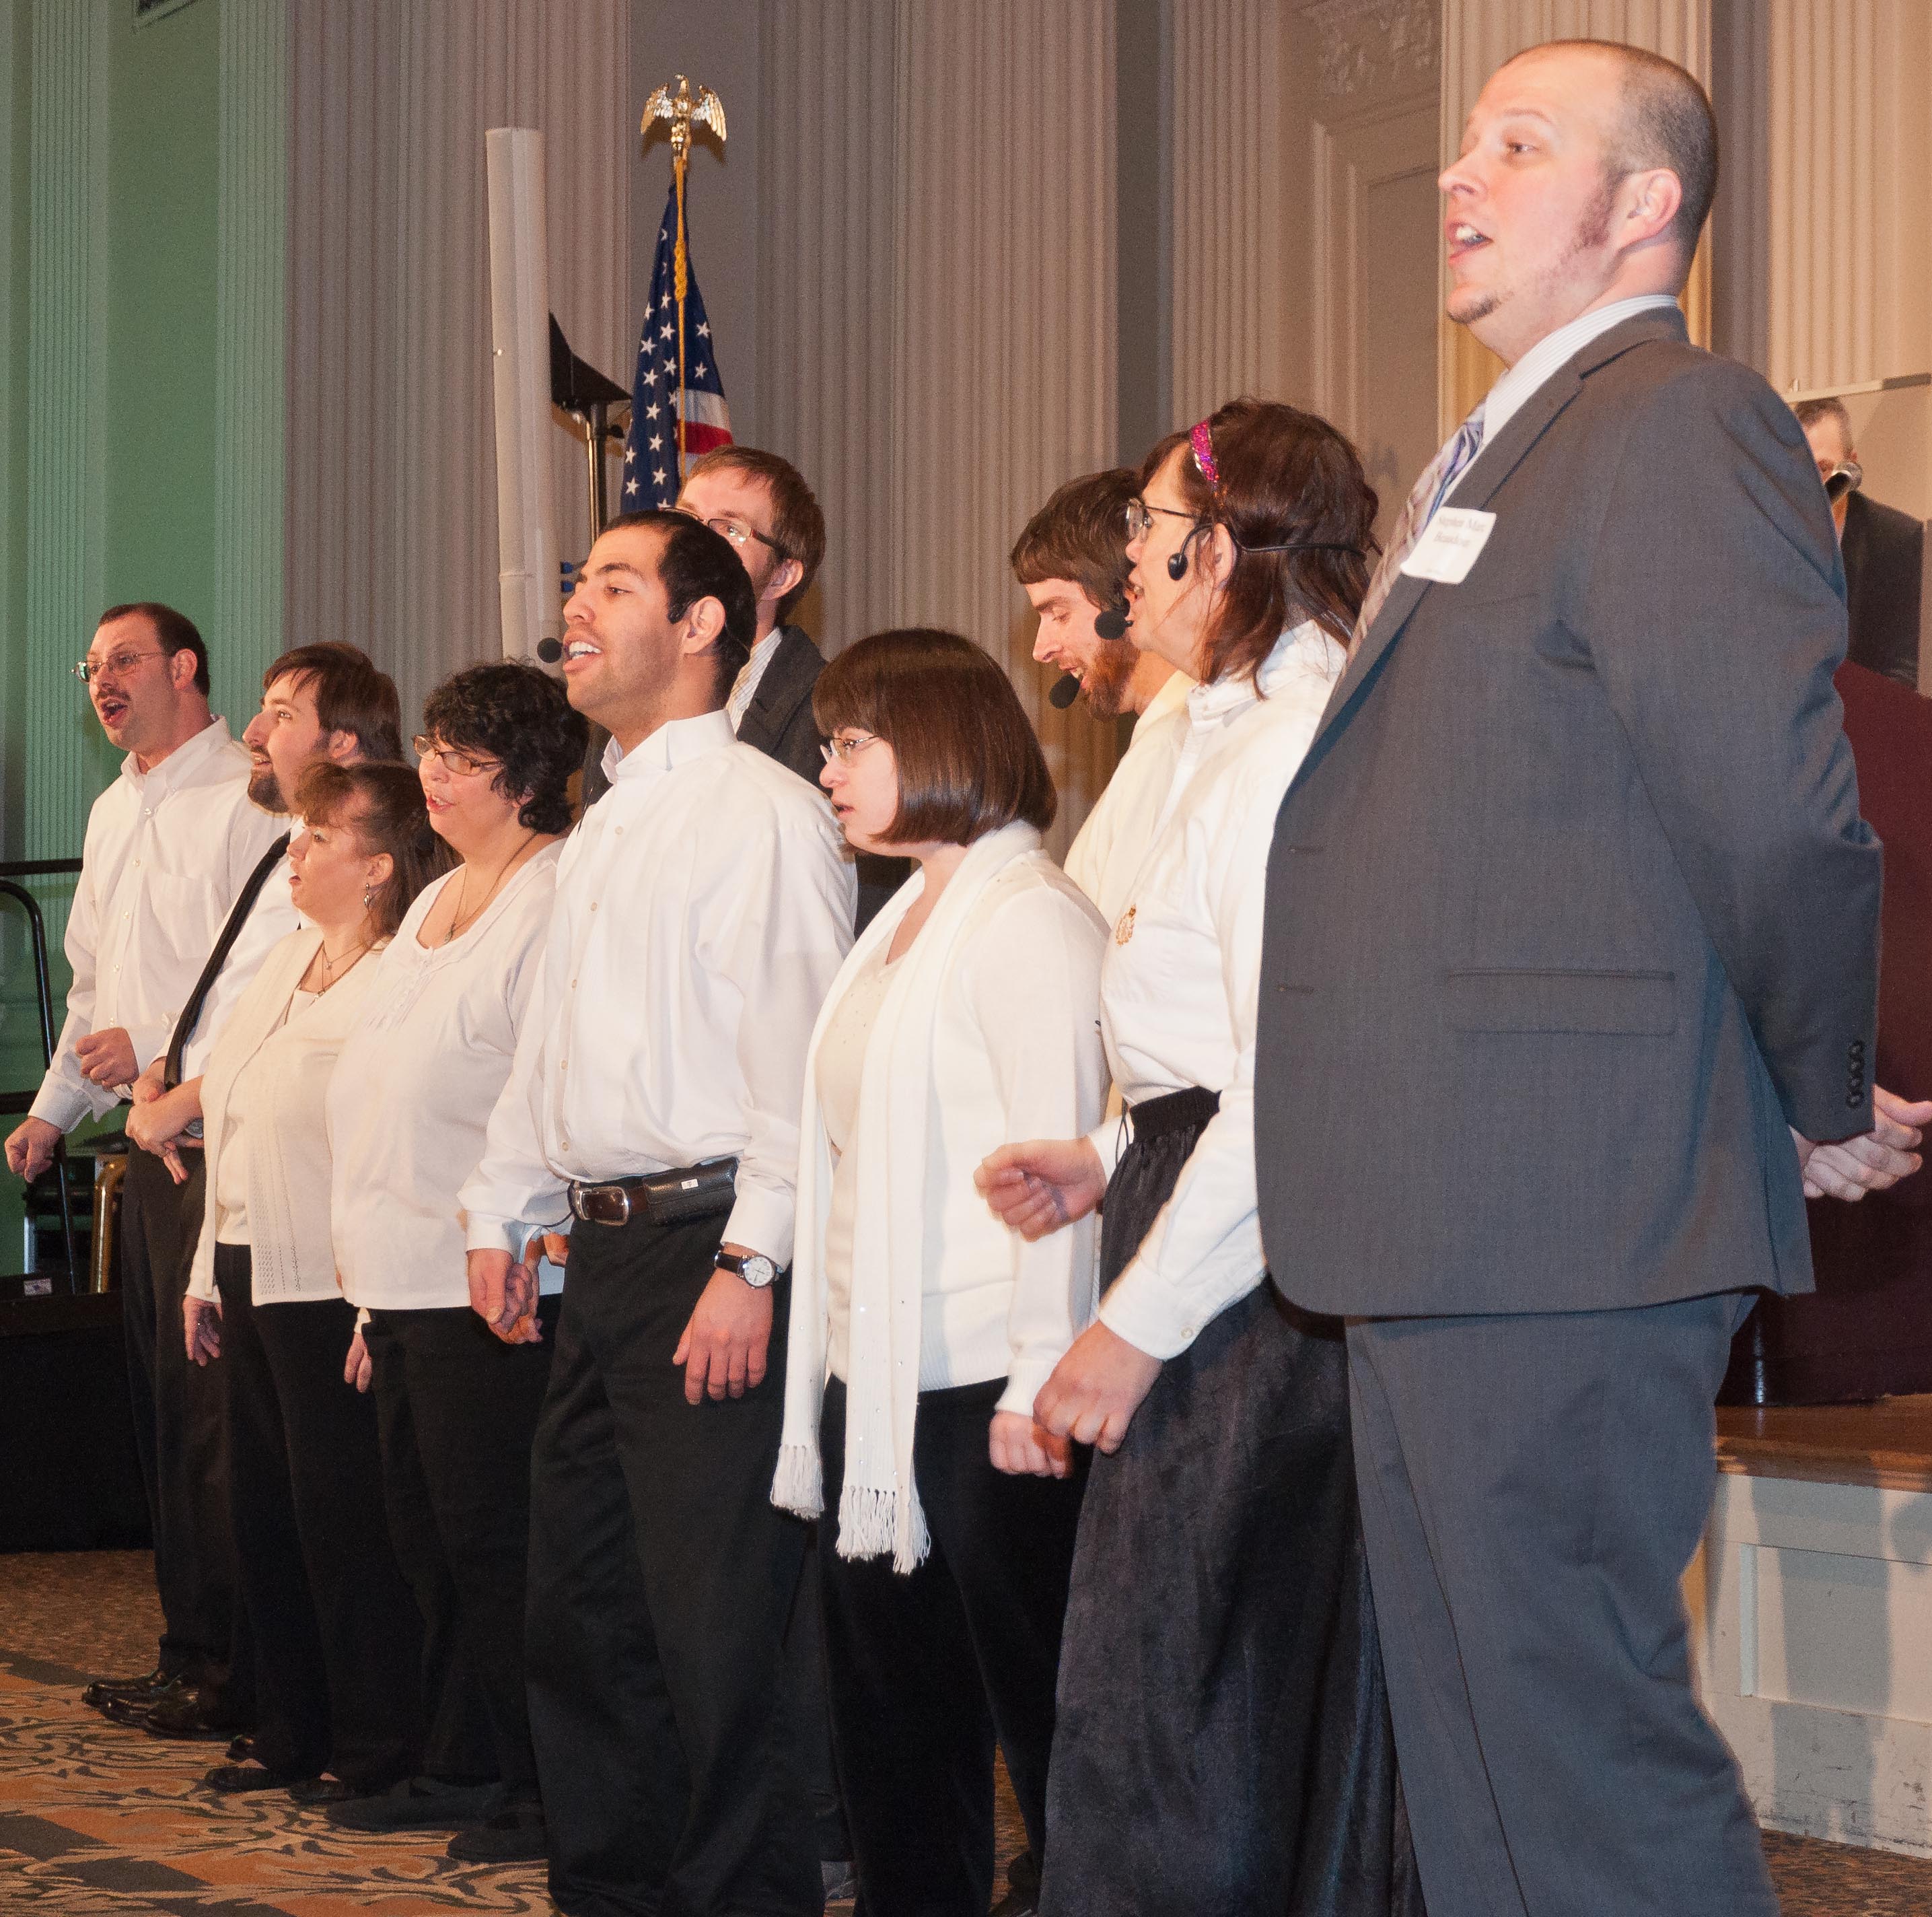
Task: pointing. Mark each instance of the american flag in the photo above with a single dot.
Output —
(650, 449)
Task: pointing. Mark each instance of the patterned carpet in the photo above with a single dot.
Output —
(99, 1821)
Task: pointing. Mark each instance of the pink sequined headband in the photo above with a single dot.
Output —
(1203, 443)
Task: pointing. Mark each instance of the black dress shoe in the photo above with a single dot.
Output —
(241, 1749)
(146, 1688)
(188, 1713)
(231, 1780)
(137, 1711)
(312, 1792)
(416, 1804)
(511, 1837)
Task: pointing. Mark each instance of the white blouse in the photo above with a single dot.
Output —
(1181, 985)
(410, 1108)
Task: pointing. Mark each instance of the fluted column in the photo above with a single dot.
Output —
(250, 398)
(1229, 197)
(1477, 36)
(65, 500)
(392, 503)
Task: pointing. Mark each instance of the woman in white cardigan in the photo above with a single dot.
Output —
(337, 1639)
(921, 1327)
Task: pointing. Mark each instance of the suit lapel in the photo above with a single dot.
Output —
(1492, 467)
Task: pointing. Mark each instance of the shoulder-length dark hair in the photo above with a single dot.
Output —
(968, 761)
(383, 805)
(1287, 478)
(516, 714)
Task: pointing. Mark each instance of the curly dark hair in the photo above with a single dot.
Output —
(511, 710)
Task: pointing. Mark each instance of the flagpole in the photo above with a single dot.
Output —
(681, 109)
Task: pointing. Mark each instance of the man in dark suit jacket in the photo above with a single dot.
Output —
(1884, 552)
(1571, 952)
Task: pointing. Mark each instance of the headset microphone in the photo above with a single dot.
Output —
(1066, 690)
(550, 651)
(1113, 623)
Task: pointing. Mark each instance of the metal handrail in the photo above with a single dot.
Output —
(37, 868)
(43, 992)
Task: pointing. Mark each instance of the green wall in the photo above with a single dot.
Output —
(111, 361)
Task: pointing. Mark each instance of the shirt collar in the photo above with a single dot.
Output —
(1215, 704)
(1508, 395)
(184, 760)
(1171, 698)
(674, 742)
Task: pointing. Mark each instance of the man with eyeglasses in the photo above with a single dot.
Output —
(169, 846)
(322, 701)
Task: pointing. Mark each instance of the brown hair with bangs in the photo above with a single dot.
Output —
(383, 805)
(1287, 478)
(968, 761)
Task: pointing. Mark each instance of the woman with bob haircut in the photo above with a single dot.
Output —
(1224, 1736)
(337, 1641)
(456, 1403)
(921, 1328)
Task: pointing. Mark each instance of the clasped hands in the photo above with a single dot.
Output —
(158, 1118)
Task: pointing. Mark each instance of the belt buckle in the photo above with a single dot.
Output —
(601, 1204)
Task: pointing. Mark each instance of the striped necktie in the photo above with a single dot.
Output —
(1437, 476)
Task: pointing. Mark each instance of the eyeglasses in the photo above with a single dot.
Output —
(737, 532)
(120, 664)
(1140, 518)
(461, 763)
(847, 748)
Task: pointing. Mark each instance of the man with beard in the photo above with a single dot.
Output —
(1072, 560)
(170, 845)
(322, 701)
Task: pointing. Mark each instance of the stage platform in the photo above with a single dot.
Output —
(1812, 1609)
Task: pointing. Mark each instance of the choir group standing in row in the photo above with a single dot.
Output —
(560, 1215)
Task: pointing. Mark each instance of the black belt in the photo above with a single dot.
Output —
(675, 1197)
(1187, 1111)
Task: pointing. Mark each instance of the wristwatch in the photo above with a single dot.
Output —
(754, 1267)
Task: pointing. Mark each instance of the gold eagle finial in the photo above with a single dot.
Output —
(706, 110)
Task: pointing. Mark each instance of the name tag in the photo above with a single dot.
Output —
(1447, 551)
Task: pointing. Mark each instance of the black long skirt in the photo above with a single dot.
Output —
(1223, 1742)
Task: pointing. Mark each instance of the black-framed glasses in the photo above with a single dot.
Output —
(847, 747)
(459, 762)
(736, 531)
(120, 664)
(1139, 516)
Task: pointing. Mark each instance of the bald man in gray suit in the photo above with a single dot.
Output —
(1571, 960)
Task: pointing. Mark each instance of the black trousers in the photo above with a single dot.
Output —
(457, 1411)
(928, 1669)
(662, 1576)
(180, 1431)
(1533, 1489)
(338, 1641)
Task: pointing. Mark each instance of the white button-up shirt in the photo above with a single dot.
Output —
(703, 906)
(166, 852)
(409, 1105)
(1104, 858)
(1180, 987)
(745, 687)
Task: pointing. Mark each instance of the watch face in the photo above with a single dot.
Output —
(759, 1271)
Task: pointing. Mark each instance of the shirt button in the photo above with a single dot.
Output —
(593, 904)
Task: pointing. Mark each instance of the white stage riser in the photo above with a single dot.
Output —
(1811, 1613)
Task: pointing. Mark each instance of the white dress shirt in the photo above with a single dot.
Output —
(745, 687)
(1180, 987)
(166, 854)
(409, 1105)
(1104, 858)
(270, 919)
(703, 907)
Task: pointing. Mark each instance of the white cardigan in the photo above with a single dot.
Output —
(989, 1033)
(286, 1139)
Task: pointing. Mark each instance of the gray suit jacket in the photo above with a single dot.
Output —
(1570, 909)
(1884, 562)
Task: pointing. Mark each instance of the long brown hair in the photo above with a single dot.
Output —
(1287, 478)
(968, 761)
(383, 805)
